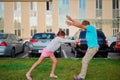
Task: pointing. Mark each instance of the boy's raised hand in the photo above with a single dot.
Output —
(69, 23)
(69, 18)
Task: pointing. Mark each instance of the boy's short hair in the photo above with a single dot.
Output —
(85, 22)
(62, 33)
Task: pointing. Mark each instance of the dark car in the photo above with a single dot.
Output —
(10, 45)
(81, 46)
(40, 41)
(117, 46)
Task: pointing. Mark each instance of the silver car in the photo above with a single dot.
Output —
(40, 41)
(10, 45)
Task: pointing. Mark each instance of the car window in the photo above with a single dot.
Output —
(101, 35)
(3, 36)
(82, 34)
(44, 36)
(14, 37)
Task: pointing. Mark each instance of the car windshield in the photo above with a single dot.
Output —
(100, 35)
(82, 35)
(44, 36)
(3, 36)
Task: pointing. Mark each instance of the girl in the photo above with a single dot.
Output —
(49, 52)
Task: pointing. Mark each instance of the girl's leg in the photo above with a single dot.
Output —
(52, 74)
(33, 67)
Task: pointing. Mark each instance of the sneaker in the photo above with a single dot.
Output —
(76, 78)
(53, 76)
(28, 77)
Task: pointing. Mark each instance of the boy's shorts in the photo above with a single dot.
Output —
(47, 53)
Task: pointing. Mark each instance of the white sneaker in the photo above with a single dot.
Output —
(28, 77)
(53, 76)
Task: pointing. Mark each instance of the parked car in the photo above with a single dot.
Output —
(81, 46)
(10, 45)
(25, 41)
(112, 42)
(117, 46)
(40, 41)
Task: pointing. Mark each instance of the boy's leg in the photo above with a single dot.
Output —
(53, 58)
(33, 67)
(88, 56)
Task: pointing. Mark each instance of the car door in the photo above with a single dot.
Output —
(17, 44)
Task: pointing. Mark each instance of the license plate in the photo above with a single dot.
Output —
(39, 51)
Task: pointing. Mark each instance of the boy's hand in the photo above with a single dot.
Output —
(69, 18)
(69, 23)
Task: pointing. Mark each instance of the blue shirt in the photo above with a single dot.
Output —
(91, 36)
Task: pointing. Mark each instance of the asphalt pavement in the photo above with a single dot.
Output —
(66, 53)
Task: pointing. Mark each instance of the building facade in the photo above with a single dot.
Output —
(26, 18)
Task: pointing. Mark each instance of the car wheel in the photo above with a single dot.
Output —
(112, 46)
(78, 54)
(58, 53)
(105, 55)
(30, 55)
(13, 53)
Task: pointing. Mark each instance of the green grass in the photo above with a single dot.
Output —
(98, 69)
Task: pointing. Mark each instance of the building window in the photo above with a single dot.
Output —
(115, 4)
(17, 18)
(115, 31)
(115, 8)
(82, 9)
(33, 31)
(18, 32)
(15, 6)
(31, 5)
(116, 16)
(63, 11)
(99, 24)
(99, 14)
(116, 26)
(98, 4)
(66, 30)
(49, 16)
(49, 29)
(98, 8)
(1, 17)
(33, 17)
(33, 8)
(47, 5)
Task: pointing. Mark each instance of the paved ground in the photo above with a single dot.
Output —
(66, 53)
(114, 55)
(67, 49)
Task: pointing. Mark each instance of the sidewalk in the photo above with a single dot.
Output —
(114, 55)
